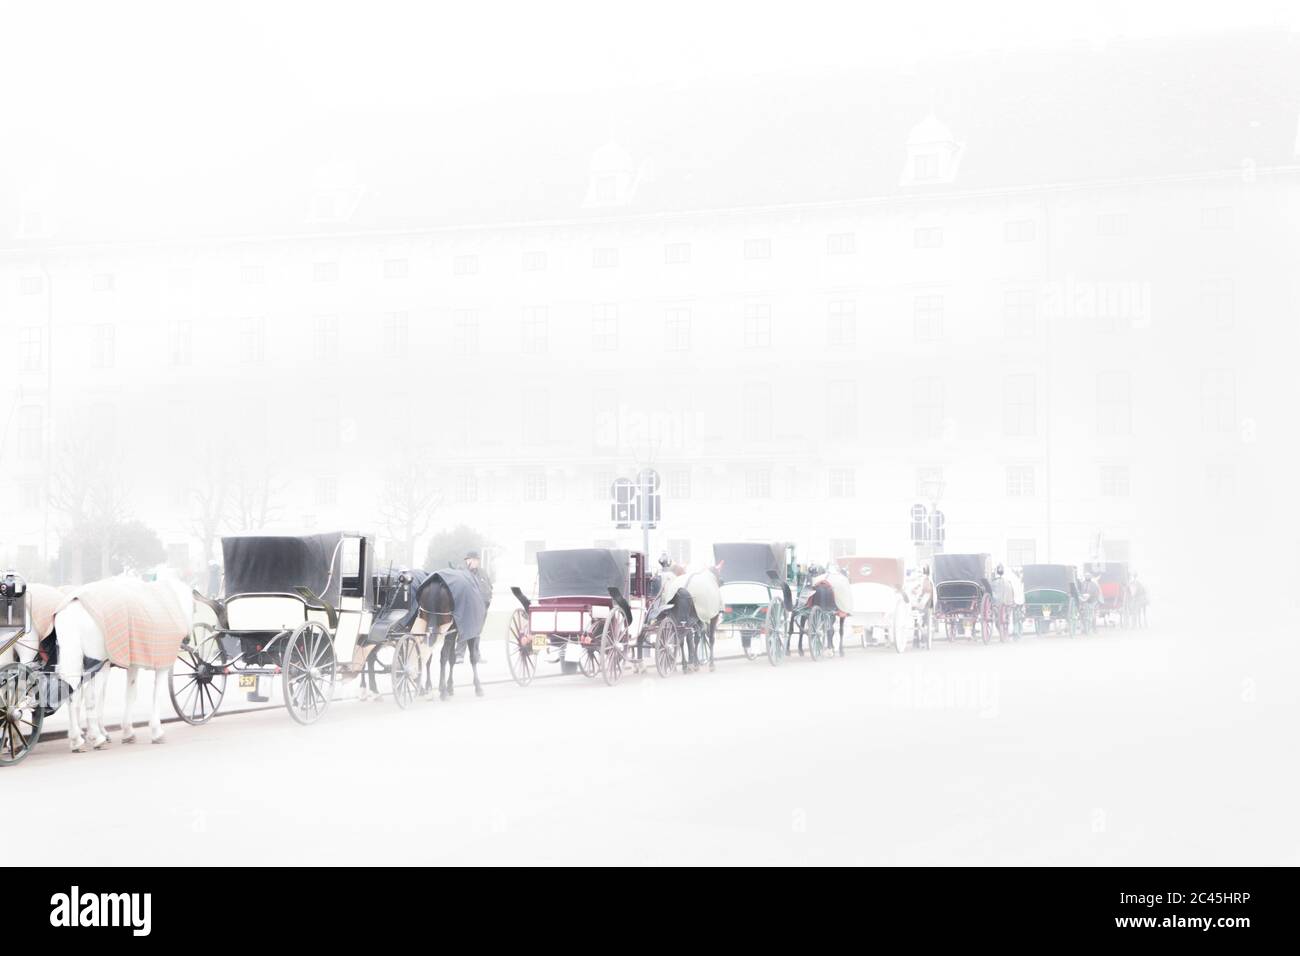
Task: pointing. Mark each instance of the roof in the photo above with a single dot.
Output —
(1132, 109)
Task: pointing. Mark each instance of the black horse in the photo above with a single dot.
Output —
(434, 603)
(819, 595)
(682, 611)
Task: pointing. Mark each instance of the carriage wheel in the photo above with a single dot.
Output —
(612, 647)
(519, 649)
(197, 682)
(666, 644)
(816, 625)
(590, 663)
(703, 652)
(774, 632)
(309, 672)
(405, 671)
(21, 712)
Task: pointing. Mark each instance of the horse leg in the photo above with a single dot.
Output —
(426, 668)
(713, 624)
(155, 712)
(128, 705)
(95, 712)
(76, 737)
(473, 663)
(841, 637)
(447, 666)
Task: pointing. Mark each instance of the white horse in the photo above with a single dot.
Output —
(79, 639)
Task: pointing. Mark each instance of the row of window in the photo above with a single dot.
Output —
(1109, 224)
(1020, 313)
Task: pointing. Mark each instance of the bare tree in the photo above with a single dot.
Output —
(209, 501)
(88, 492)
(409, 501)
(255, 497)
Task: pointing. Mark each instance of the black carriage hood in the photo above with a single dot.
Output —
(962, 567)
(581, 572)
(1055, 577)
(750, 561)
(279, 564)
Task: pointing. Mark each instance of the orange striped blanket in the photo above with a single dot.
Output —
(141, 622)
(44, 602)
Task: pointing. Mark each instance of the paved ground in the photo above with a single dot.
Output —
(1155, 747)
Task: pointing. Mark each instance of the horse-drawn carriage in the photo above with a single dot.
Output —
(963, 596)
(1052, 597)
(881, 615)
(565, 622)
(301, 608)
(22, 684)
(30, 687)
(756, 581)
(598, 611)
(1116, 605)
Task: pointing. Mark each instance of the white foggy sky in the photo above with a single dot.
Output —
(136, 95)
(157, 62)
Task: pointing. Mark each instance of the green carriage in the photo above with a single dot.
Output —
(1052, 597)
(757, 580)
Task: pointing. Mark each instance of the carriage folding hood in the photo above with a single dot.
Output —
(1049, 577)
(581, 572)
(750, 562)
(279, 564)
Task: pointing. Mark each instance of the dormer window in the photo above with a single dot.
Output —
(606, 190)
(612, 177)
(925, 166)
(933, 154)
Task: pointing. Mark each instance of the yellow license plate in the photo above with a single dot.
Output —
(248, 680)
(539, 642)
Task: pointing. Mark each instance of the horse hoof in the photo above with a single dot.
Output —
(478, 691)
(101, 744)
(128, 740)
(160, 739)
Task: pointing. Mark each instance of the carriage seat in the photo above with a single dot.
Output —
(270, 612)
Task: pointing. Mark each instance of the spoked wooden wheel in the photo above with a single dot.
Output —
(590, 662)
(819, 623)
(666, 643)
(21, 712)
(612, 647)
(309, 672)
(703, 651)
(774, 632)
(405, 671)
(197, 683)
(519, 649)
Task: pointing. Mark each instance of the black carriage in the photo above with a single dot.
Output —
(963, 596)
(303, 609)
(30, 690)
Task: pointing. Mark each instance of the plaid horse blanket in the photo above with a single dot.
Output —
(44, 601)
(141, 622)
